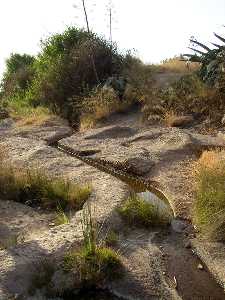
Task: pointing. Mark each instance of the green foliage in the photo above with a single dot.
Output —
(93, 267)
(17, 61)
(212, 60)
(18, 75)
(136, 211)
(64, 70)
(61, 217)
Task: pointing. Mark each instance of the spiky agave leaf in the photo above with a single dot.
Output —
(219, 37)
(198, 51)
(218, 46)
(200, 44)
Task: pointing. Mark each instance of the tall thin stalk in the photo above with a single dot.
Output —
(92, 54)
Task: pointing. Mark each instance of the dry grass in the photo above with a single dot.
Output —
(172, 119)
(34, 187)
(103, 103)
(35, 116)
(27, 115)
(209, 205)
(178, 66)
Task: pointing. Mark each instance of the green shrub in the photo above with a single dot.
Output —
(93, 267)
(209, 205)
(18, 75)
(212, 60)
(136, 211)
(64, 70)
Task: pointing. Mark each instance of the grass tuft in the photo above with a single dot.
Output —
(33, 187)
(112, 238)
(94, 262)
(26, 115)
(101, 104)
(61, 217)
(136, 211)
(209, 205)
(172, 119)
(93, 267)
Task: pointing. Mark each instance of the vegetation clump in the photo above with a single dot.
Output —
(137, 211)
(209, 205)
(34, 188)
(61, 79)
(93, 262)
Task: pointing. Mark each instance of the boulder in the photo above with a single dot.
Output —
(138, 166)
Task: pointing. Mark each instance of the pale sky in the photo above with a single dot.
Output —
(157, 29)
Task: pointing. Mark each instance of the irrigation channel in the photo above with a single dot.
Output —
(191, 282)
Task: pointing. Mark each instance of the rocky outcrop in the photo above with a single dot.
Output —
(160, 154)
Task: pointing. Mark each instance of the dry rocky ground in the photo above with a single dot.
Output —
(152, 258)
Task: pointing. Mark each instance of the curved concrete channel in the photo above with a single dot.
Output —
(185, 272)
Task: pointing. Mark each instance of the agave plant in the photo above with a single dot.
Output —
(212, 60)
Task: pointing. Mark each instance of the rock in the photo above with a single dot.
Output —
(221, 135)
(6, 123)
(178, 226)
(200, 142)
(138, 166)
(200, 267)
(187, 244)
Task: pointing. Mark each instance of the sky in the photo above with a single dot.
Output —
(156, 29)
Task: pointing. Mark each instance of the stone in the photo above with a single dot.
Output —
(178, 226)
(187, 244)
(138, 166)
(200, 267)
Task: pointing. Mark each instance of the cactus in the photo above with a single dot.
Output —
(212, 60)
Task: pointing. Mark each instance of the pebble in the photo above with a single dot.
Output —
(200, 267)
(51, 224)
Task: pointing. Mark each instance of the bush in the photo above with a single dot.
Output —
(137, 211)
(18, 75)
(209, 205)
(189, 95)
(64, 70)
(100, 104)
(93, 267)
